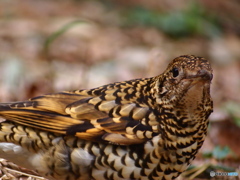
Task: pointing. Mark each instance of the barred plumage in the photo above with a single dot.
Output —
(148, 128)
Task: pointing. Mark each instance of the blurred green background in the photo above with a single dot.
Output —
(48, 46)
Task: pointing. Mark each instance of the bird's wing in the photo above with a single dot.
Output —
(86, 115)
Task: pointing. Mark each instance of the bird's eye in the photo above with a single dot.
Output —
(175, 72)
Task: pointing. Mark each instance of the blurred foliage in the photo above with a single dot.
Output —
(219, 153)
(60, 32)
(233, 110)
(193, 20)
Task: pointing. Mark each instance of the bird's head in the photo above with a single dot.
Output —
(185, 86)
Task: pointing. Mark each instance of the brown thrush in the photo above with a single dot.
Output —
(149, 128)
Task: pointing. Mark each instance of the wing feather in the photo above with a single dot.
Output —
(91, 115)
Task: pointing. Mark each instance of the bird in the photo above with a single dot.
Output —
(140, 129)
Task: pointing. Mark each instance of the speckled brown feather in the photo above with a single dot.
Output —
(153, 126)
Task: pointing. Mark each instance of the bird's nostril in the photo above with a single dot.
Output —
(205, 74)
